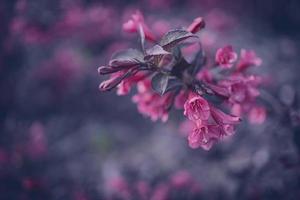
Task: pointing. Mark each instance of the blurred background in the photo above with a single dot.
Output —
(60, 138)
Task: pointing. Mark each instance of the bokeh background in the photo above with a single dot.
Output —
(60, 138)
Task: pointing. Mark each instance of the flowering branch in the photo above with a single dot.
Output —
(165, 76)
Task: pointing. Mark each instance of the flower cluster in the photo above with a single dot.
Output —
(180, 184)
(175, 71)
(89, 25)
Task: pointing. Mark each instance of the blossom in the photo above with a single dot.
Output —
(257, 115)
(248, 58)
(205, 75)
(206, 133)
(242, 89)
(125, 86)
(181, 179)
(161, 192)
(204, 136)
(178, 184)
(111, 83)
(150, 103)
(136, 21)
(197, 25)
(196, 107)
(225, 57)
(37, 144)
(143, 189)
(119, 187)
(222, 118)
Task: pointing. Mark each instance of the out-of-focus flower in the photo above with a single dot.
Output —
(257, 115)
(205, 75)
(242, 88)
(197, 25)
(136, 21)
(248, 58)
(226, 57)
(179, 183)
(125, 86)
(37, 145)
(243, 91)
(150, 103)
(161, 192)
(143, 189)
(119, 188)
(181, 179)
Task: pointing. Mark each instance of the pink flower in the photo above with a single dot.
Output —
(111, 83)
(196, 108)
(225, 57)
(137, 20)
(205, 75)
(197, 25)
(143, 189)
(125, 86)
(248, 58)
(150, 103)
(204, 136)
(124, 79)
(225, 121)
(181, 179)
(257, 115)
(119, 187)
(161, 192)
(219, 89)
(242, 89)
(37, 144)
(206, 133)
(236, 109)
(222, 118)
